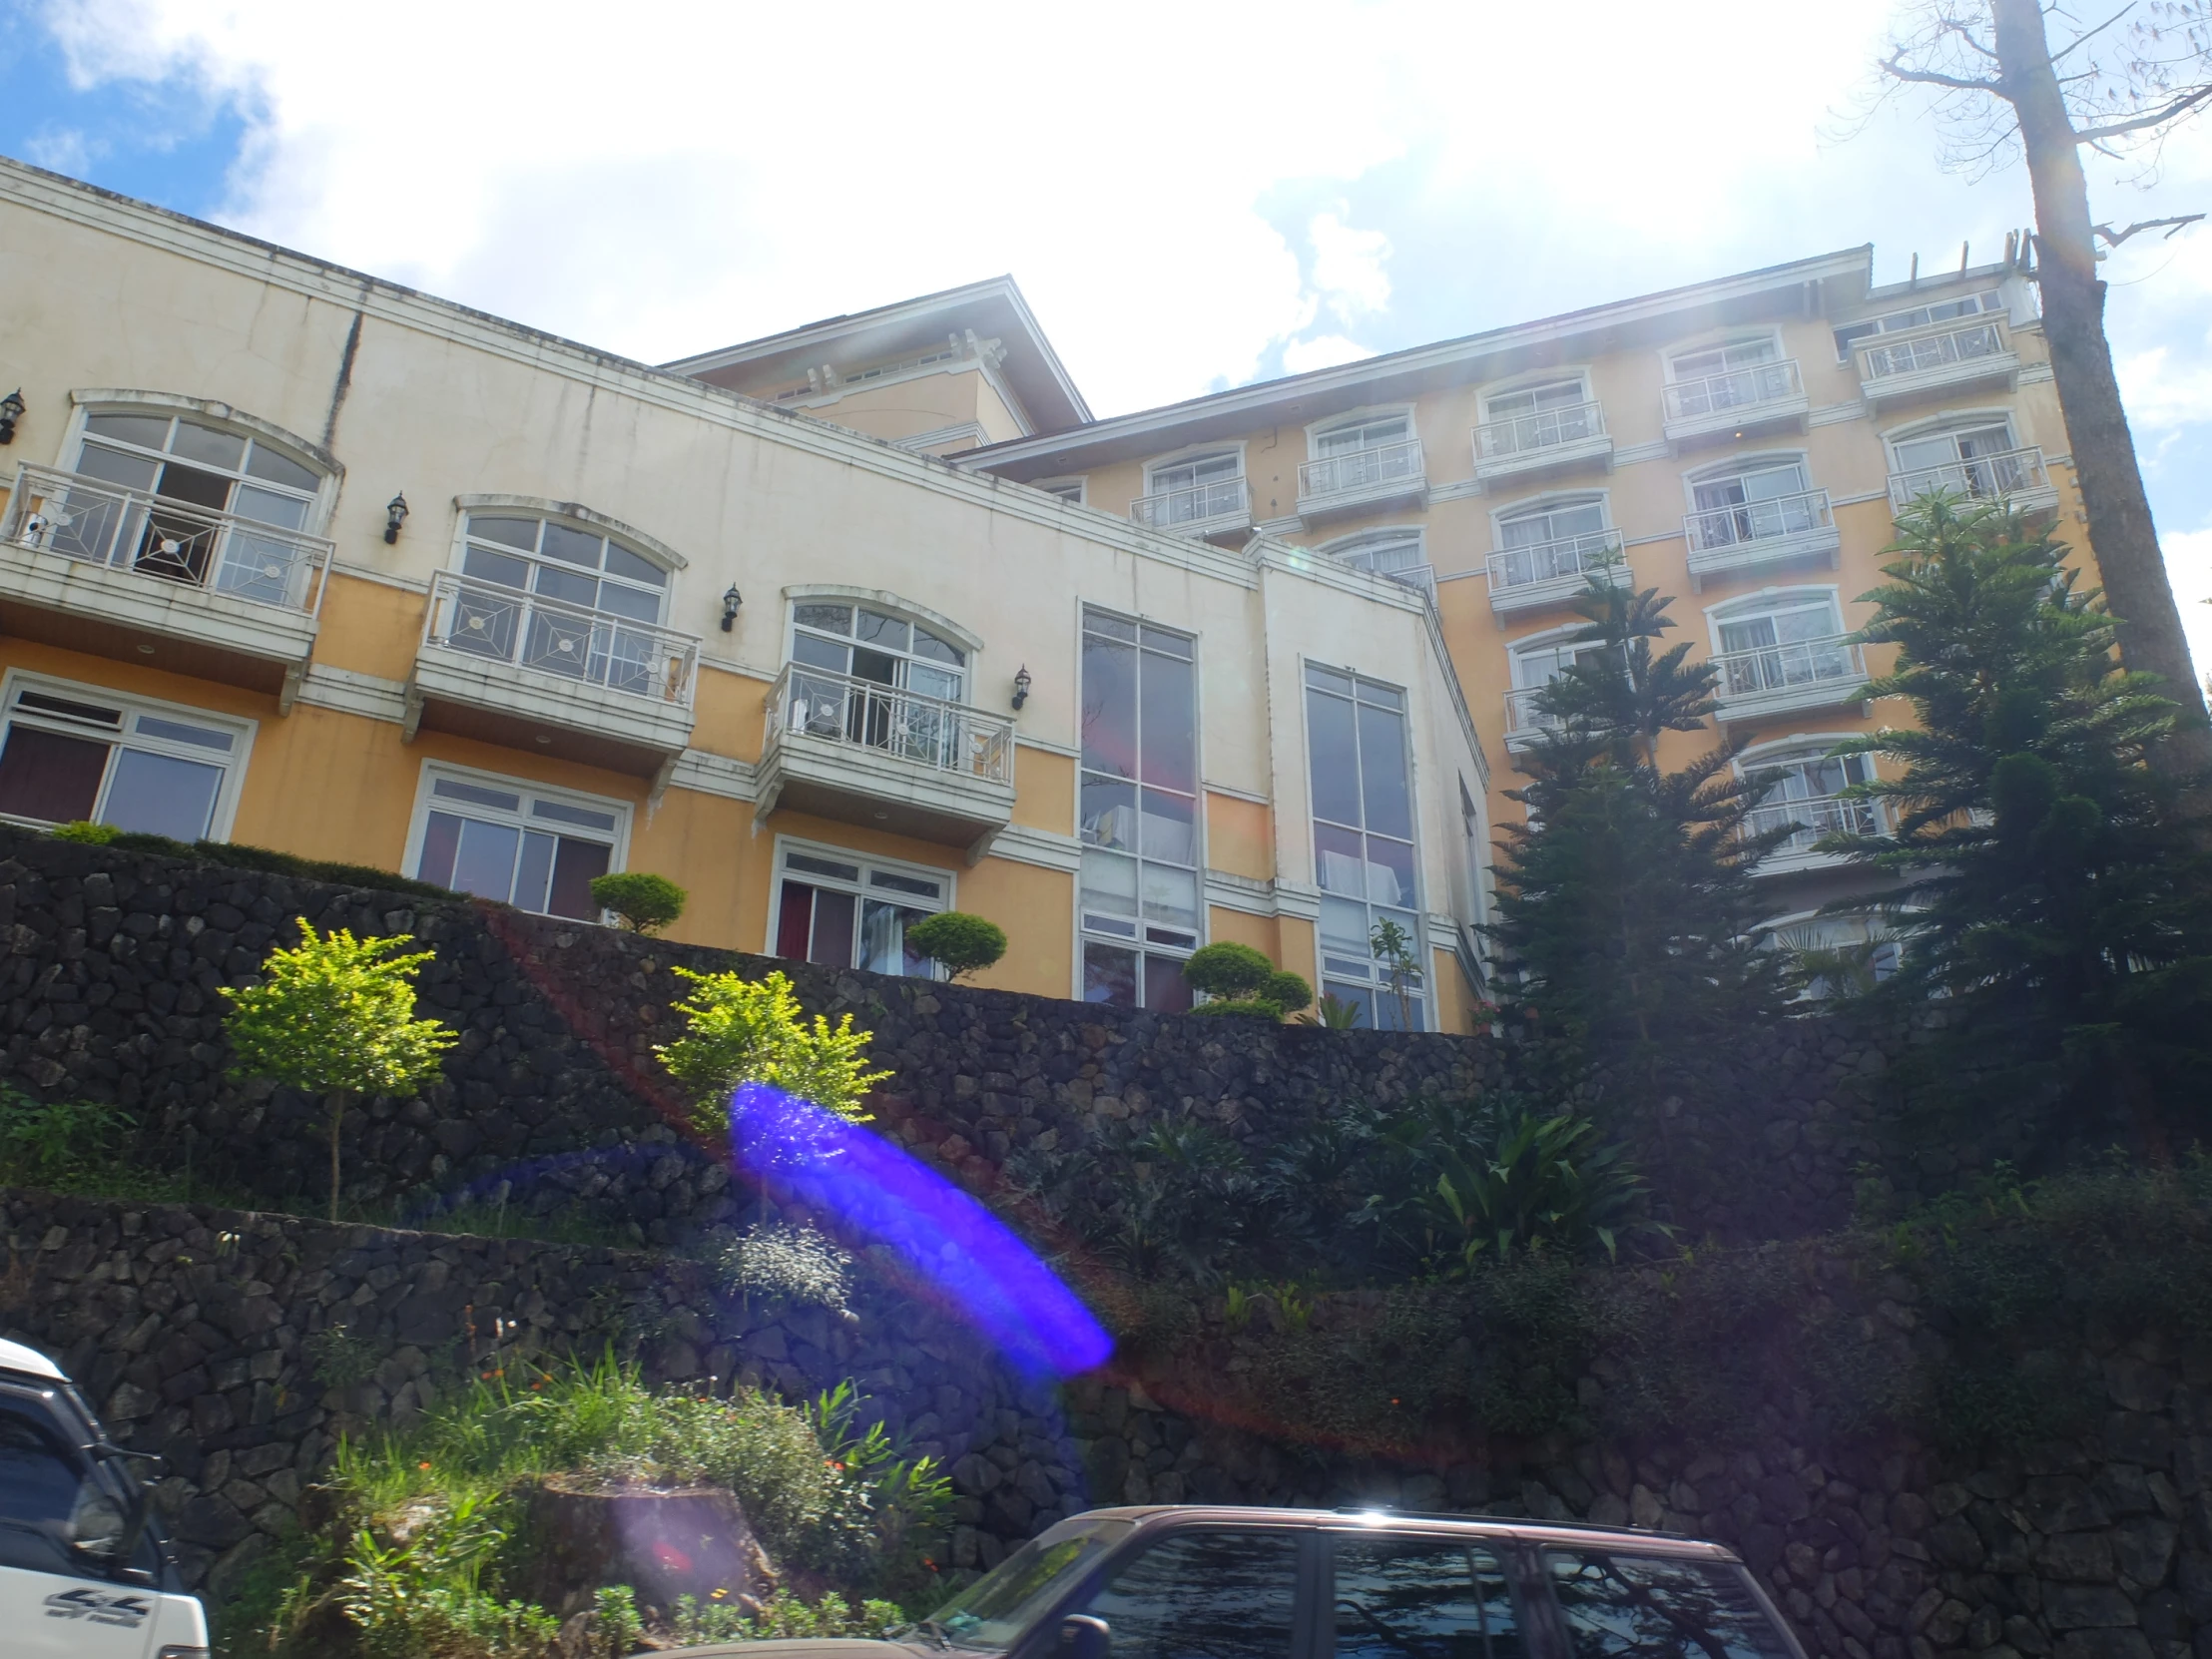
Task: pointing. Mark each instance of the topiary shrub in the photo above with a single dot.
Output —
(1287, 990)
(1228, 971)
(957, 942)
(646, 902)
(1241, 1007)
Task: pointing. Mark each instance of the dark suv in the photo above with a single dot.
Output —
(1198, 1583)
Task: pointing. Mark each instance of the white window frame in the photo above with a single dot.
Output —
(1991, 303)
(618, 856)
(571, 517)
(1951, 422)
(221, 818)
(1191, 457)
(1346, 548)
(1867, 920)
(1316, 431)
(1769, 602)
(1529, 384)
(1799, 745)
(1736, 466)
(1073, 490)
(899, 610)
(329, 474)
(948, 880)
(1422, 950)
(1550, 639)
(1530, 506)
(1724, 344)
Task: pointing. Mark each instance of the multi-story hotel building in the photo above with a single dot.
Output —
(873, 618)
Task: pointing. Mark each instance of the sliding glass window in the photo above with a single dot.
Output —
(1364, 846)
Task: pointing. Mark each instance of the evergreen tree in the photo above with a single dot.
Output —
(2048, 889)
(1625, 903)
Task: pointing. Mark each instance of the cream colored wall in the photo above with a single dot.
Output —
(439, 405)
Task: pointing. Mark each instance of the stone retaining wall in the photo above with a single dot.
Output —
(112, 962)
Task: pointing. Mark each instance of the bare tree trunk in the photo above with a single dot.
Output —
(2121, 533)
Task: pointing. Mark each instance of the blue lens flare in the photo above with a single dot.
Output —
(946, 1240)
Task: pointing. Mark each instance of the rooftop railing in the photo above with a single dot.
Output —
(1360, 469)
(1983, 478)
(1754, 521)
(1546, 561)
(1921, 352)
(1541, 429)
(500, 624)
(1220, 498)
(1735, 389)
(1796, 664)
(925, 731)
(118, 528)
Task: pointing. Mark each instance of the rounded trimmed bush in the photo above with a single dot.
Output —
(1241, 1007)
(957, 942)
(1287, 990)
(1227, 971)
(647, 903)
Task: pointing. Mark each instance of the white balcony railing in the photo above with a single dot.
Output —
(1547, 561)
(1774, 672)
(2008, 472)
(1921, 354)
(1525, 718)
(497, 624)
(925, 731)
(1218, 501)
(100, 523)
(1756, 521)
(1813, 817)
(1542, 429)
(1737, 388)
(1384, 467)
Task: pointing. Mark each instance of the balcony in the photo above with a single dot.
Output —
(1363, 480)
(92, 566)
(1758, 535)
(1549, 440)
(1759, 397)
(1553, 572)
(528, 672)
(1937, 363)
(1813, 817)
(1207, 509)
(2016, 477)
(888, 759)
(1525, 722)
(1784, 679)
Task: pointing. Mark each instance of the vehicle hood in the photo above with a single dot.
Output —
(814, 1647)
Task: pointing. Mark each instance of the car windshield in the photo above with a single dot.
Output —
(992, 1612)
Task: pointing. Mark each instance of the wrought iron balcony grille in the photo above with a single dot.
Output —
(1362, 469)
(1797, 665)
(1922, 352)
(1217, 499)
(528, 630)
(1814, 816)
(818, 704)
(109, 525)
(1541, 429)
(1735, 389)
(1546, 561)
(1745, 522)
(1982, 477)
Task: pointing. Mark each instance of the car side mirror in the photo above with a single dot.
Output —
(1083, 1637)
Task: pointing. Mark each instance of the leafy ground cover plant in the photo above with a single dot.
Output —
(778, 1262)
(425, 1534)
(334, 1016)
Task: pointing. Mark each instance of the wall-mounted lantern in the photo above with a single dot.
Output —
(729, 603)
(1021, 687)
(395, 514)
(11, 411)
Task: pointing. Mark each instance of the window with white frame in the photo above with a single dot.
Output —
(1557, 536)
(878, 646)
(563, 563)
(1471, 826)
(520, 844)
(196, 463)
(1973, 456)
(1069, 490)
(554, 596)
(846, 910)
(1536, 662)
(1722, 359)
(1139, 894)
(1844, 954)
(1363, 849)
(1531, 417)
(1369, 433)
(1768, 642)
(1917, 317)
(1807, 793)
(74, 753)
(1195, 489)
(1395, 553)
(1752, 498)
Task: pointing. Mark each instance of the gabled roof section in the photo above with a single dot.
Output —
(991, 310)
(1821, 284)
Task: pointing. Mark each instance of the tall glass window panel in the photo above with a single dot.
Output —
(507, 843)
(846, 912)
(63, 760)
(1364, 844)
(1139, 811)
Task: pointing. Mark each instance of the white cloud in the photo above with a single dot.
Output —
(62, 150)
(1326, 351)
(1348, 267)
(2189, 570)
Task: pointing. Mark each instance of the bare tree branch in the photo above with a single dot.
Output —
(1893, 64)
(2179, 104)
(2179, 221)
(1951, 26)
(2088, 35)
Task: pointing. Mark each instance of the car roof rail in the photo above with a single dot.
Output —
(1522, 1521)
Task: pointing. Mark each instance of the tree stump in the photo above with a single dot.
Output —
(662, 1544)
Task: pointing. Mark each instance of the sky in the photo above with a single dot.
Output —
(1192, 197)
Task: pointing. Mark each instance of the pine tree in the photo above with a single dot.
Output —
(2048, 890)
(1625, 903)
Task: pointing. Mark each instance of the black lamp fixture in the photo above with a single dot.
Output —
(395, 514)
(1021, 687)
(729, 603)
(11, 411)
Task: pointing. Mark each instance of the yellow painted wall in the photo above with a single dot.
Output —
(1240, 837)
(1237, 927)
(1044, 791)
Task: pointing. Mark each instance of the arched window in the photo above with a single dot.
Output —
(878, 646)
(1552, 537)
(1712, 360)
(1973, 455)
(1780, 639)
(1752, 498)
(1396, 553)
(1839, 955)
(1807, 794)
(560, 596)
